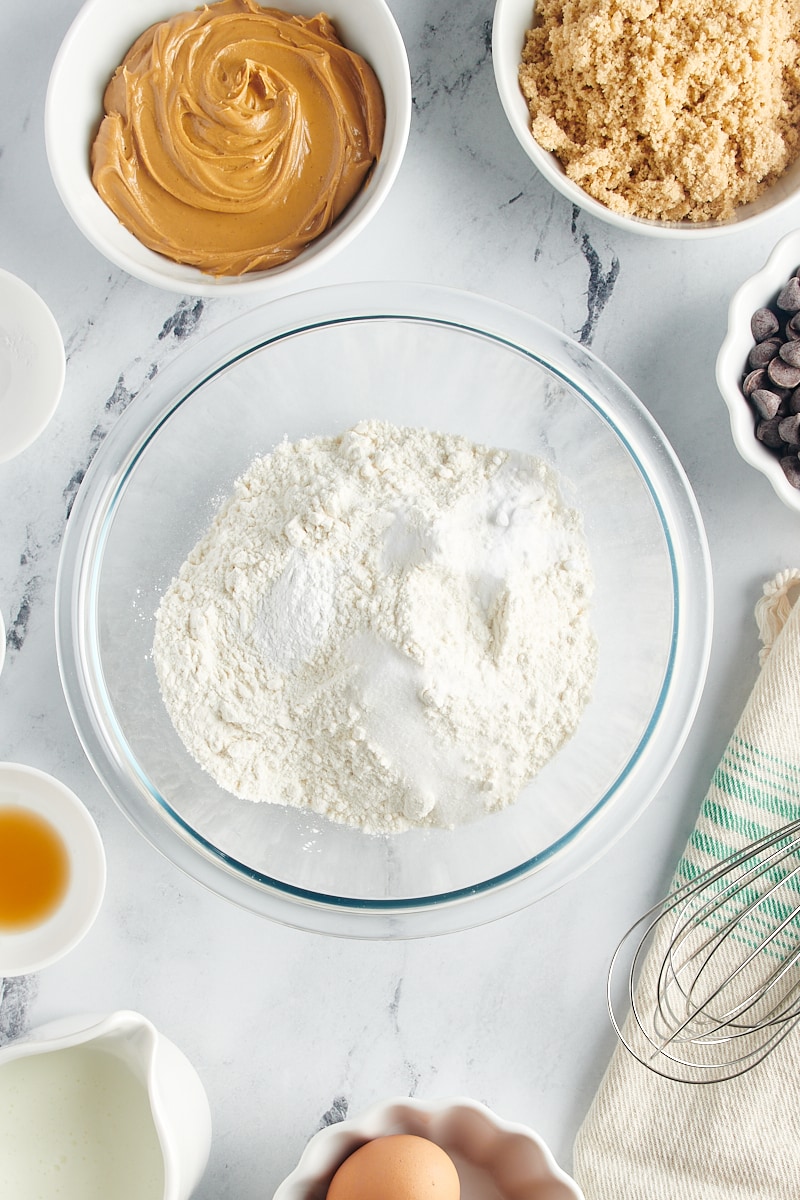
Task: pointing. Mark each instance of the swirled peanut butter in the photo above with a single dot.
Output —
(234, 135)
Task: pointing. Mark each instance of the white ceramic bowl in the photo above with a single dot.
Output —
(31, 949)
(32, 365)
(494, 1158)
(94, 46)
(756, 292)
(512, 19)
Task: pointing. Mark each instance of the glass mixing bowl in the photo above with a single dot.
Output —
(315, 364)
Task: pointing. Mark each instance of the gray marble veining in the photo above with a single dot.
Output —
(294, 1031)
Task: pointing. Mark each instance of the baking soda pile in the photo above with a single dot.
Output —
(389, 628)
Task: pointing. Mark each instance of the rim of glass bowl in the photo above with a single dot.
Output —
(80, 568)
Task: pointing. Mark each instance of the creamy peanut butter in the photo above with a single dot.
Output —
(234, 135)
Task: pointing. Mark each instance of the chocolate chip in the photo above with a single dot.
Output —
(754, 379)
(783, 374)
(764, 324)
(765, 403)
(791, 469)
(789, 296)
(790, 353)
(789, 429)
(763, 353)
(768, 433)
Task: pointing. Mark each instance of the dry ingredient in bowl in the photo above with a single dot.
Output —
(771, 381)
(389, 627)
(666, 109)
(235, 135)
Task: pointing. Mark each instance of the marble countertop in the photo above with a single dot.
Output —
(290, 1030)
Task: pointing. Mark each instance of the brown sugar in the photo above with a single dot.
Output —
(666, 109)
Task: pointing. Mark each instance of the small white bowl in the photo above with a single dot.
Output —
(756, 292)
(32, 365)
(495, 1159)
(31, 949)
(512, 20)
(93, 48)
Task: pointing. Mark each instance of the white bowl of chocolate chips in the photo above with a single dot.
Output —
(758, 369)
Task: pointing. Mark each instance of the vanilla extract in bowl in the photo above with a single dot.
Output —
(34, 868)
(52, 870)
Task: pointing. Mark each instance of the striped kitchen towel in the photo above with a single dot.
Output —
(647, 1137)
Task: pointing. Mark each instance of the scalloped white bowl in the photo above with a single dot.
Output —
(94, 46)
(760, 289)
(495, 1159)
(512, 19)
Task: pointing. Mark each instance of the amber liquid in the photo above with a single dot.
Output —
(34, 868)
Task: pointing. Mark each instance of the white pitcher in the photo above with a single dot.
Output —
(101, 1106)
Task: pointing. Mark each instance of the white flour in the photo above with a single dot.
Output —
(389, 628)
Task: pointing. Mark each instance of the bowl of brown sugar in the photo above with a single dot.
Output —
(678, 118)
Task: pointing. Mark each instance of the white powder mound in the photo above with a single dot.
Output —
(389, 628)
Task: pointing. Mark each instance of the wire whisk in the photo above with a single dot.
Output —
(712, 985)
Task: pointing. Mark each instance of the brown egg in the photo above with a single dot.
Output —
(399, 1167)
